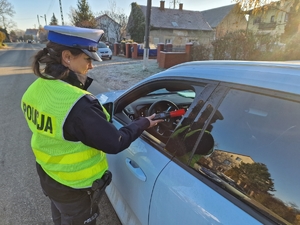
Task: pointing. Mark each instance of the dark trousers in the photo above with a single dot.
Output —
(79, 212)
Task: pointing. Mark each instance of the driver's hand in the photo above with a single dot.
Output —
(153, 122)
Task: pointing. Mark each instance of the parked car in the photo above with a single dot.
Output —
(241, 124)
(104, 51)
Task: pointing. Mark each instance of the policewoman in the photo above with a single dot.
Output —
(70, 130)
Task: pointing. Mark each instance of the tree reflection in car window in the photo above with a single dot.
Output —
(256, 154)
(176, 142)
(186, 143)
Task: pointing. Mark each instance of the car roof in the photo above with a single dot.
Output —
(281, 76)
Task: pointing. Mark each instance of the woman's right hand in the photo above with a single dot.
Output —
(153, 123)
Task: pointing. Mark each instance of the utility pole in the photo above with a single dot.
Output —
(61, 13)
(146, 38)
(45, 19)
(38, 20)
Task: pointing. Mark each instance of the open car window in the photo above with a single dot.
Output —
(157, 102)
(157, 98)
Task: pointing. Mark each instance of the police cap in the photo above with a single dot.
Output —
(85, 39)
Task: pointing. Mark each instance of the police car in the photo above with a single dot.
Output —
(231, 158)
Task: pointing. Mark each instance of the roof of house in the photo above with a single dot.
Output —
(31, 31)
(105, 16)
(216, 15)
(176, 19)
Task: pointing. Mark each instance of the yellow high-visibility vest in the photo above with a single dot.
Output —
(46, 105)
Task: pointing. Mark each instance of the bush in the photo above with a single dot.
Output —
(240, 45)
(292, 49)
(2, 37)
(200, 52)
(237, 45)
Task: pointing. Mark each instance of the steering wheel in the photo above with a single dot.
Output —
(163, 129)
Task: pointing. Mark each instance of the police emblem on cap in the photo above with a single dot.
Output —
(77, 37)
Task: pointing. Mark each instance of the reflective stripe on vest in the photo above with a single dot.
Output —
(46, 104)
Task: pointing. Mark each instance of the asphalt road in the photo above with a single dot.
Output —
(21, 200)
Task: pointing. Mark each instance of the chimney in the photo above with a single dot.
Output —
(180, 6)
(162, 5)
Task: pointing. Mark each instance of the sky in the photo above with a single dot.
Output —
(28, 12)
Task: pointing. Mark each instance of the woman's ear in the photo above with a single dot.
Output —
(66, 56)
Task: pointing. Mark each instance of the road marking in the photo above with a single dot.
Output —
(15, 70)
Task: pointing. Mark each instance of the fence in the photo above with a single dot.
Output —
(174, 48)
(167, 54)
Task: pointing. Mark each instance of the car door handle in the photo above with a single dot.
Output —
(135, 169)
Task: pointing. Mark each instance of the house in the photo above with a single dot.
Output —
(223, 161)
(176, 26)
(270, 19)
(32, 32)
(42, 35)
(225, 19)
(112, 29)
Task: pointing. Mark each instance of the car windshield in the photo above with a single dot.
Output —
(184, 93)
(102, 45)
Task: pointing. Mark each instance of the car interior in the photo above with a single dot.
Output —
(166, 97)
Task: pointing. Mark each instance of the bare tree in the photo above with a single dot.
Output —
(13, 37)
(257, 4)
(6, 11)
(252, 4)
(117, 22)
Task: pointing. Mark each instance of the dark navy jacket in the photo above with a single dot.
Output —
(87, 123)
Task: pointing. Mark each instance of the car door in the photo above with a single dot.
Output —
(134, 173)
(179, 197)
(249, 178)
(135, 170)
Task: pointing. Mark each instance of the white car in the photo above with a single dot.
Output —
(232, 158)
(104, 51)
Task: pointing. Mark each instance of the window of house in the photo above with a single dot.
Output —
(155, 41)
(272, 19)
(226, 162)
(193, 40)
(256, 20)
(238, 159)
(174, 24)
(168, 41)
(286, 17)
